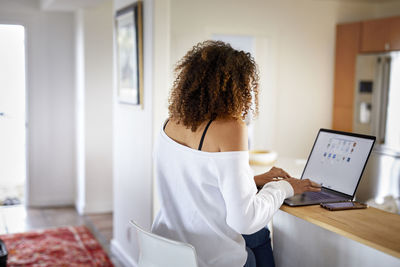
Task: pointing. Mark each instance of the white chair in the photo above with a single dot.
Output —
(158, 251)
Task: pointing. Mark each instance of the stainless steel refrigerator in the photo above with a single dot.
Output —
(377, 112)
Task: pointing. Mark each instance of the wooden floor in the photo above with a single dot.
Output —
(15, 219)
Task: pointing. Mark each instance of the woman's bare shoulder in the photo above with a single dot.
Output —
(231, 134)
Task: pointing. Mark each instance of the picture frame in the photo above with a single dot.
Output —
(129, 45)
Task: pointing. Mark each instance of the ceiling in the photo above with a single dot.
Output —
(67, 5)
(70, 5)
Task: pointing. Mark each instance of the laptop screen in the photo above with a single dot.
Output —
(337, 160)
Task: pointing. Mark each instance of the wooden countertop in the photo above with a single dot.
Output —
(372, 227)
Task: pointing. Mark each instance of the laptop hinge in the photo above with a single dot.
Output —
(336, 193)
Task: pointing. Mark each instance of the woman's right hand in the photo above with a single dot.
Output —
(302, 185)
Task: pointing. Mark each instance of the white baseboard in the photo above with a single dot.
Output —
(124, 258)
(88, 208)
(50, 202)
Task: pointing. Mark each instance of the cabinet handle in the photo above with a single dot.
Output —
(387, 46)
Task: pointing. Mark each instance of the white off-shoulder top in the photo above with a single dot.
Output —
(208, 199)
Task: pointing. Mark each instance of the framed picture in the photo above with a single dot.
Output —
(129, 35)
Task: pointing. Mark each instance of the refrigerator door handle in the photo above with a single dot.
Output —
(384, 100)
(377, 95)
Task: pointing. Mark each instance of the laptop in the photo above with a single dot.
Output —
(337, 162)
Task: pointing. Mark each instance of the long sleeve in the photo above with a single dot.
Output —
(246, 210)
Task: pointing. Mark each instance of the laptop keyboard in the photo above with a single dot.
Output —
(320, 196)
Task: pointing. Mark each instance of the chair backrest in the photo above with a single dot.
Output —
(158, 251)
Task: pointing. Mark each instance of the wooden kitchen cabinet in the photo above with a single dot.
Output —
(394, 33)
(347, 48)
(380, 35)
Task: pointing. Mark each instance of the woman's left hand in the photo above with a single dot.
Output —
(275, 172)
(270, 176)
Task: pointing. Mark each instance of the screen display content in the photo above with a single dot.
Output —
(337, 160)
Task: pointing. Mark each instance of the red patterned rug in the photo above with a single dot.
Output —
(66, 246)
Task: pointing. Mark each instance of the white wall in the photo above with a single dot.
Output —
(94, 57)
(295, 52)
(50, 101)
(132, 153)
(161, 73)
(388, 9)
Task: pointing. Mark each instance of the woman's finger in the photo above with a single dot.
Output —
(314, 189)
(314, 184)
(284, 174)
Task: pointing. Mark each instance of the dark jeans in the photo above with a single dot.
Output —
(259, 250)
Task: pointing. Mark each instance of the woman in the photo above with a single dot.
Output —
(207, 190)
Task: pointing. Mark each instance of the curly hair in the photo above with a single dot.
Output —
(213, 80)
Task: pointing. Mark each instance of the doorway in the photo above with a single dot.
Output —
(12, 115)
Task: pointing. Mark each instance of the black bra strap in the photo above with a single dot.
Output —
(165, 124)
(204, 134)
